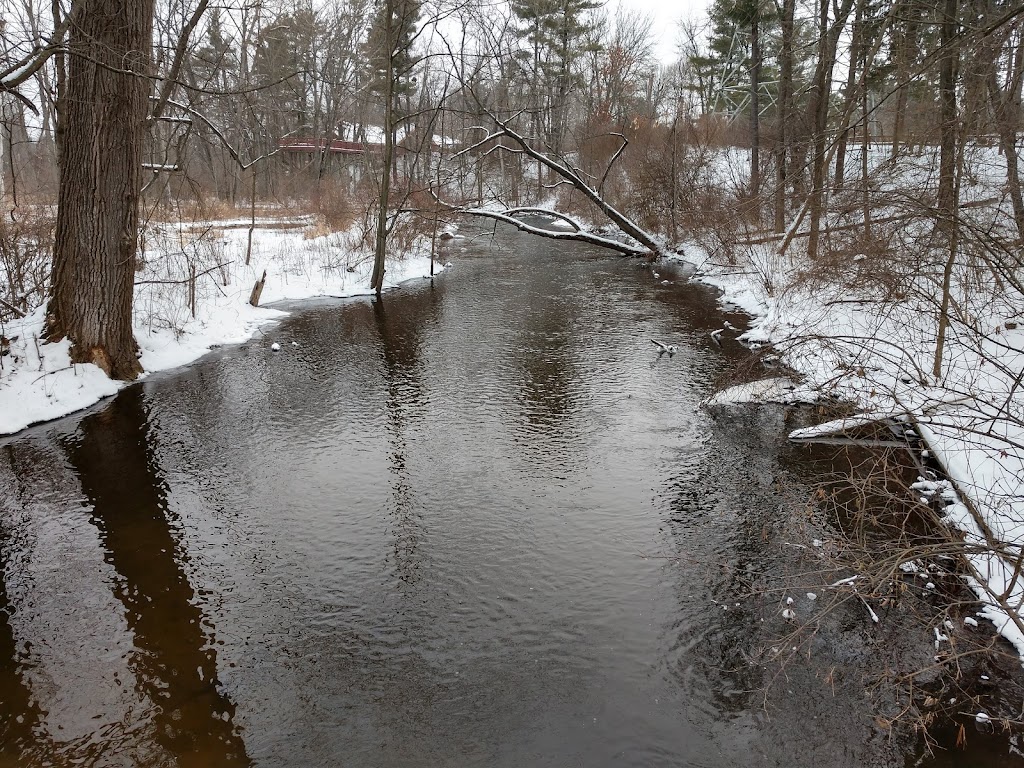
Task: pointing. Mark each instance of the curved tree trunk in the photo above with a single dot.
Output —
(104, 116)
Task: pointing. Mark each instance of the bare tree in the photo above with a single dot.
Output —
(105, 112)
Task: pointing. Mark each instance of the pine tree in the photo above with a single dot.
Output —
(390, 60)
(553, 34)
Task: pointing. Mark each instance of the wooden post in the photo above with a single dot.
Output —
(257, 290)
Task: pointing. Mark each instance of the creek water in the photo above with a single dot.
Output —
(477, 523)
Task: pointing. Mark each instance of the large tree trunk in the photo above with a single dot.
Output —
(949, 189)
(905, 33)
(1006, 107)
(856, 43)
(104, 116)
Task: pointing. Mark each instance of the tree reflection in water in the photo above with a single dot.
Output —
(174, 662)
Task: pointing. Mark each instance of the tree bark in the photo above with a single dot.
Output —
(948, 194)
(1006, 108)
(105, 110)
(907, 31)
(856, 43)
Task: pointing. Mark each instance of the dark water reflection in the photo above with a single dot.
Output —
(479, 522)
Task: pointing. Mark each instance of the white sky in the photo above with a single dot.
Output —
(666, 15)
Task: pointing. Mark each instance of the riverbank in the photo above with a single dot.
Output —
(191, 296)
(854, 342)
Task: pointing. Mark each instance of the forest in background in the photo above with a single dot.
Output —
(246, 102)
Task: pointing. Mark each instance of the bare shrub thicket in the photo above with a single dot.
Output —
(26, 251)
(337, 207)
(883, 562)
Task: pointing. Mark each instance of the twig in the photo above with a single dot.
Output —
(14, 309)
(184, 280)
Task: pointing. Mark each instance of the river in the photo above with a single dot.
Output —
(478, 523)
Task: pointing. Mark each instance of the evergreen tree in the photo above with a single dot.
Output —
(390, 60)
(737, 28)
(553, 35)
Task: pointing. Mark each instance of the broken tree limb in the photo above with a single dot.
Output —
(257, 290)
(618, 153)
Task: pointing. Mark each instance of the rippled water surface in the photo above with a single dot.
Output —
(479, 522)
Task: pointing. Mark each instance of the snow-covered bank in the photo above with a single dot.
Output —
(39, 383)
(877, 352)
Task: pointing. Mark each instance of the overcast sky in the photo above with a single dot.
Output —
(666, 16)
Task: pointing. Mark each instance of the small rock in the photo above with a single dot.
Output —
(275, 347)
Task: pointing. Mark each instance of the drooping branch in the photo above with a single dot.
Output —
(529, 211)
(623, 222)
(19, 72)
(220, 136)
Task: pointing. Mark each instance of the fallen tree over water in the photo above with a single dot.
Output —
(578, 233)
(647, 244)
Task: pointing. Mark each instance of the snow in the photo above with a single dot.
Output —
(38, 382)
(18, 72)
(772, 390)
(838, 426)
(845, 340)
